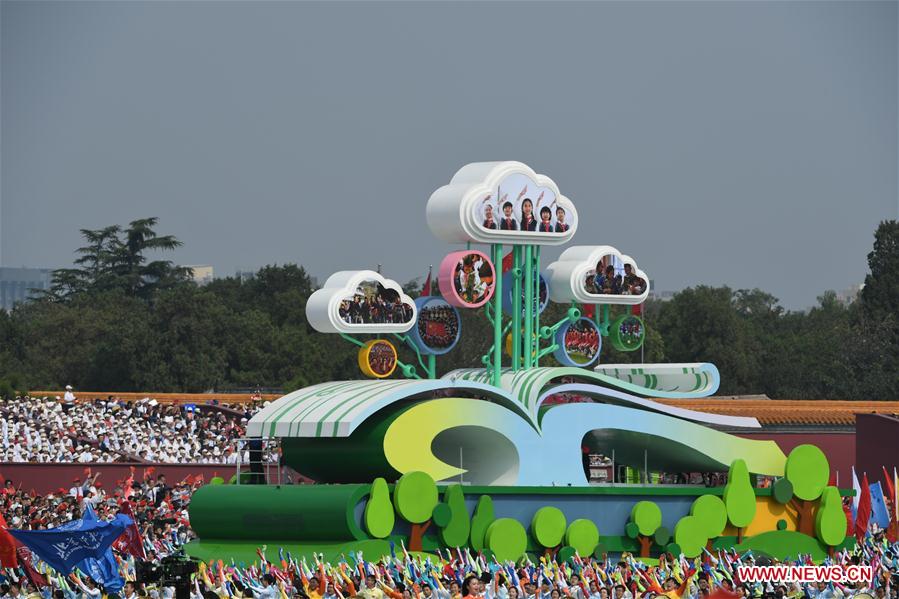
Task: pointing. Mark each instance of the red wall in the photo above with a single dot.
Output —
(48, 478)
(839, 447)
(877, 445)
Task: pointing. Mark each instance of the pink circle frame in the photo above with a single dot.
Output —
(445, 278)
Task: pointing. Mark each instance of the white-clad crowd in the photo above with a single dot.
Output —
(63, 430)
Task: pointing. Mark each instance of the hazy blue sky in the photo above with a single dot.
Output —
(752, 144)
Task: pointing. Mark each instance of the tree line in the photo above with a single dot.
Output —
(120, 321)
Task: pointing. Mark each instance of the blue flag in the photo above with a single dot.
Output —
(879, 513)
(64, 547)
(104, 570)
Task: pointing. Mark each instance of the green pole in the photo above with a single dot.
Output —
(528, 306)
(497, 312)
(516, 307)
(432, 366)
(537, 305)
(604, 327)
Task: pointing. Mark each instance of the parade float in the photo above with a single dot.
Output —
(493, 457)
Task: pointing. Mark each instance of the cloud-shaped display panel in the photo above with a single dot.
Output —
(596, 275)
(501, 202)
(360, 301)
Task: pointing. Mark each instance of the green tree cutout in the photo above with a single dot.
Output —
(379, 518)
(830, 520)
(415, 498)
(806, 475)
(739, 497)
(506, 538)
(481, 521)
(707, 519)
(645, 522)
(455, 533)
(583, 536)
(548, 527)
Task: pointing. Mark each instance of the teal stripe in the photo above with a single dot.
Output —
(321, 421)
(352, 407)
(316, 400)
(322, 396)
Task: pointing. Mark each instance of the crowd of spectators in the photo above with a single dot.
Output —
(460, 574)
(49, 429)
(158, 506)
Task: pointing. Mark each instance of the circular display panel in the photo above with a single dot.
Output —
(508, 287)
(467, 279)
(438, 327)
(579, 343)
(627, 333)
(377, 358)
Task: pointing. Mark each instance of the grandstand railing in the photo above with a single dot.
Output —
(164, 398)
(264, 463)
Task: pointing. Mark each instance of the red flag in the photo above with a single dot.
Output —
(130, 540)
(36, 578)
(888, 481)
(863, 514)
(588, 310)
(507, 262)
(426, 288)
(892, 531)
(7, 547)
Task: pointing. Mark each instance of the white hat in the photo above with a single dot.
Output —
(68, 387)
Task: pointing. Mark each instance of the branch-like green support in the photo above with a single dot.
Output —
(353, 340)
(536, 267)
(497, 312)
(528, 307)
(604, 327)
(430, 368)
(549, 332)
(516, 307)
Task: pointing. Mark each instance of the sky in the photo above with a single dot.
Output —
(751, 144)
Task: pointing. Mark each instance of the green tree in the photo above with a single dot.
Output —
(705, 324)
(548, 527)
(807, 472)
(880, 294)
(877, 327)
(646, 519)
(583, 536)
(481, 520)
(689, 534)
(830, 520)
(415, 497)
(707, 519)
(739, 497)
(378, 516)
(711, 513)
(114, 258)
(455, 533)
(506, 538)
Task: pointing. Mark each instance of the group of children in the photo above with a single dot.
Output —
(438, 325)
(605, 281)
(526, 221)
(581, 342)
(384, 307)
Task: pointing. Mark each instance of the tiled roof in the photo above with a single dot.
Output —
(781, 412)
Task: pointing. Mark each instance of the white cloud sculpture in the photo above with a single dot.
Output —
(567, 276)
(323, 306)
(457, 212)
